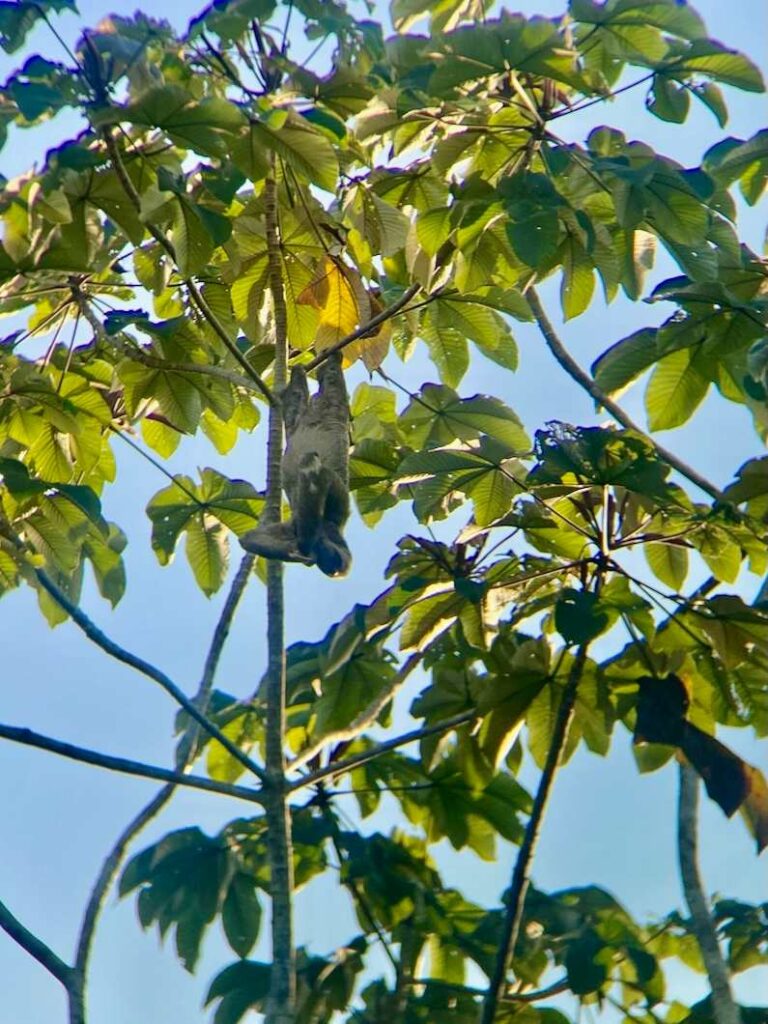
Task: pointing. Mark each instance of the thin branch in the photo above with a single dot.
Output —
(359, 896)
(724, 1007)
(281, 1006)
(362, 331)
(585, 381)
(338, 767)
(187, 753)
(521, 873)
(365, 719)
(139, 355)
(114, 650)
(565, 111)
(189, 750)
(555, 989)
(128, 766)
(34, 946)
(168, 247)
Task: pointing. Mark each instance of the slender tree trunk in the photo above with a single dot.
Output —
(725, 1010)
(282, 999)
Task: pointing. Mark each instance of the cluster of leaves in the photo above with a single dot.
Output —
(425, 171)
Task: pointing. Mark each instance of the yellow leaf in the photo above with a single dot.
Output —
(332, 293)
(373, 348)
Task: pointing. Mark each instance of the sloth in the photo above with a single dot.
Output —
(315, 475)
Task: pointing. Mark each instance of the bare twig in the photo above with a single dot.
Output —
(282, 993)
(338, 767)
(724, 1006)
(35, 946)
(116, 855)
(113, 649)
(510, 997)
(521, 873)
(128, 766)
(582, 378)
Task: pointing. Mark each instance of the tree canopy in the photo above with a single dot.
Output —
(284, 181)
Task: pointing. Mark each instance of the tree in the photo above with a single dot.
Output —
(234, 206)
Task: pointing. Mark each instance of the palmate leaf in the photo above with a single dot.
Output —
(597, 455)
(481, 473)
(207, 126)
(439, 417)
(530, 45)
(709, 57)
(185, 880)
(199, 511)
(667, 15)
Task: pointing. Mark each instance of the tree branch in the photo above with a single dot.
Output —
(360, 332)
(139, 355)
(281, 1007)
(185, 757)
(338, 767)
(366, 717)
(34, 946)
(724, 1007)
(127, 766)
(168, 247)
(94, 634)
(584, 380)
(521, 874)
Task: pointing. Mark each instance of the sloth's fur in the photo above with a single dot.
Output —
(315, 475)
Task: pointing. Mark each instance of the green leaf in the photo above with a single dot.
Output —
(676, 388)
(308, 151)
(746, 161)
(427, 619)
(207, 553)
(244, 730)
(579, 617)
(535, 238)
(674, 211)
(721, 553)
(625, 361)
(585, 975)
(241, 914)
(433, 229)
(578, 282)
(241, 987)
(447, 348)
(668, 563)
(670, 101)
(708, 57)
(191, 238)
(712, 98)
(207, 126)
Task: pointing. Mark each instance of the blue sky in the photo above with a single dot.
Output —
(606, 823)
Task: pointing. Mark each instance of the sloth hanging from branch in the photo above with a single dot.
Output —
(315, 475)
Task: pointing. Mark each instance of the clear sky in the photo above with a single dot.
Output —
(606, 823)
